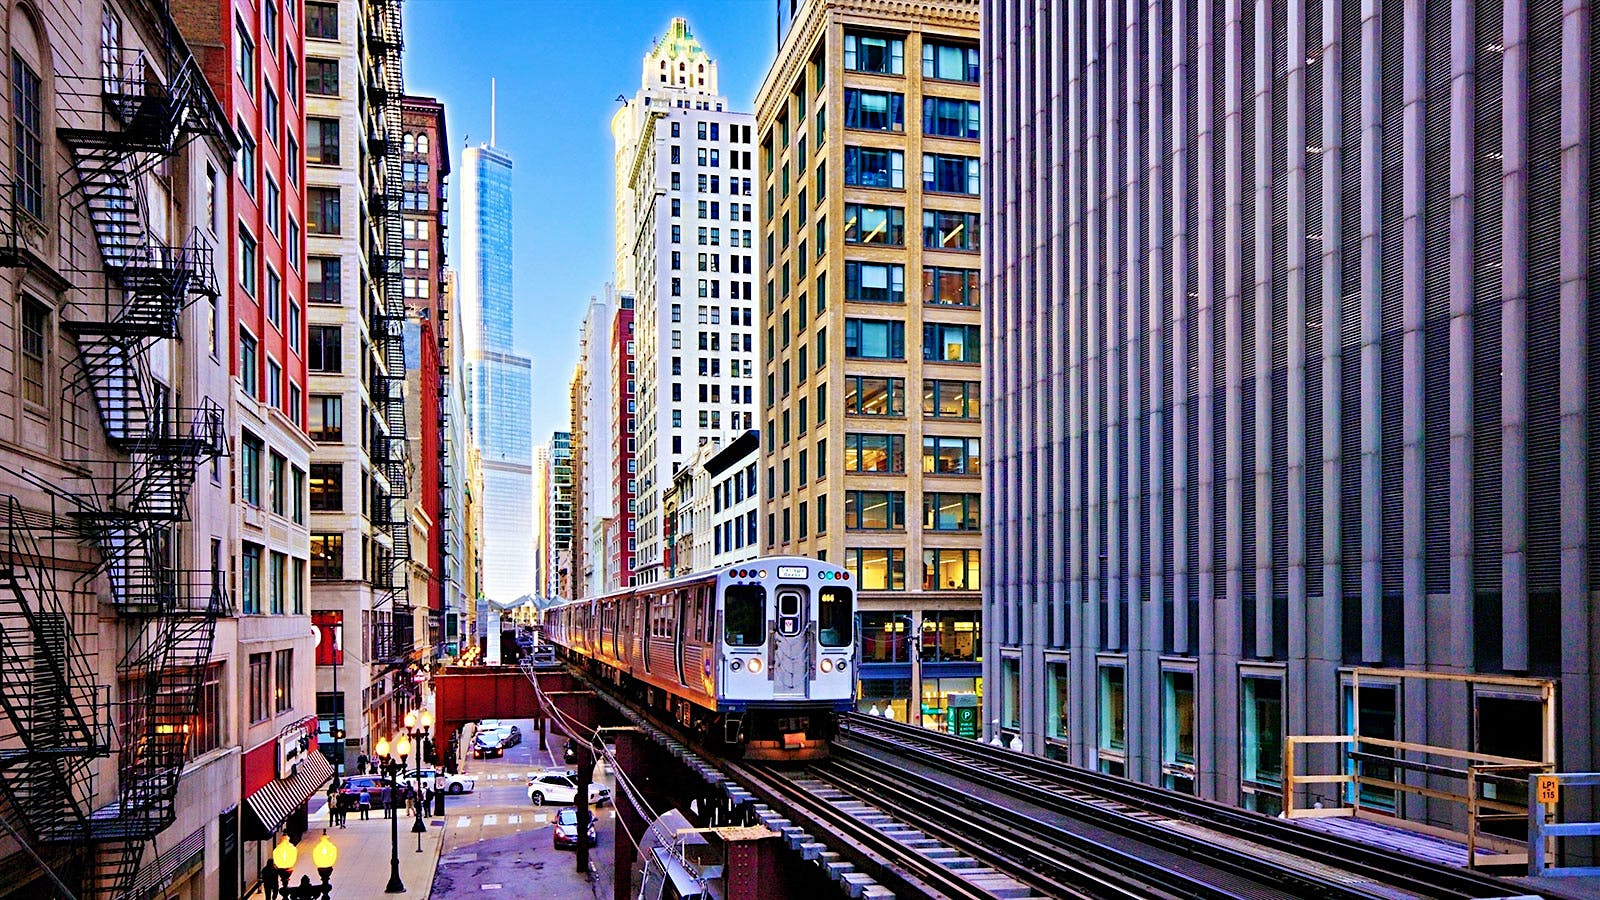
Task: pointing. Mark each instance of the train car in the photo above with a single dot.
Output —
(757, 659)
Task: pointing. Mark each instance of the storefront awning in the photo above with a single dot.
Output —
(269, 806)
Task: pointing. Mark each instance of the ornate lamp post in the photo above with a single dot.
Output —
(418, 723)
(394, 762)
(324, 854)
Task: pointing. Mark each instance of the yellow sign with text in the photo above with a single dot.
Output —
(1549, 790)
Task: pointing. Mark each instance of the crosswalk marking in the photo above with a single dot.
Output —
(462, 821)
(541, 819)
(491, 820)
(513, 820)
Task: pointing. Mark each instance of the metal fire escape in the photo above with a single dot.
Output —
(393, 636)
(128, 294)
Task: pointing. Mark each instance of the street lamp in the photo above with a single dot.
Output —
(393, 764)
(324, 854)
(418, 724)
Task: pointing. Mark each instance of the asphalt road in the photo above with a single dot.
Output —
(497, 844)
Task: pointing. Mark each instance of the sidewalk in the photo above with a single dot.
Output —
(363, 866)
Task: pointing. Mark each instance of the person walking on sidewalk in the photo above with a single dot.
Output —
(365, 803)
(386, 797)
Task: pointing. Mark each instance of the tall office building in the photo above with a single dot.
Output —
(1291, 378)
(621, 538)
(868, 126)
(591, 415)
(685, 179)
(558, 518)
(501, 380)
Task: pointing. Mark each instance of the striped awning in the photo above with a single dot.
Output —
(276, 800)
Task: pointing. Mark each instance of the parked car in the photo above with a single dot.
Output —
(350, 790)
(566, 831)
(556, 786)
(439, 781)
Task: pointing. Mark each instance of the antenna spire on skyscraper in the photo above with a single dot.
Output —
(491, 111)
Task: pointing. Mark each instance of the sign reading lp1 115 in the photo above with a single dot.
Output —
(791, 572)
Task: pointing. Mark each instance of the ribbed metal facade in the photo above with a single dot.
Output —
(1288, 365)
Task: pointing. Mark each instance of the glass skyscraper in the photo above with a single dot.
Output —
(501, 380)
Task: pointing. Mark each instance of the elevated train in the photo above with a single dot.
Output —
(757, 658)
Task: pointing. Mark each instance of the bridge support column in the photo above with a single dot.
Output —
(634, 755)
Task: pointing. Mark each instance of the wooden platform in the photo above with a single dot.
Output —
(1394, 837)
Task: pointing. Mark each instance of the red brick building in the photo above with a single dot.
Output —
(624, 480)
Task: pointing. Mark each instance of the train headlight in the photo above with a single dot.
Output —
(735, 665)
(755, 667)
(843, 665)
(827, 665)
(762, 574)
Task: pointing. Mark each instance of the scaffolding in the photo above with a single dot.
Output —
(113, 525)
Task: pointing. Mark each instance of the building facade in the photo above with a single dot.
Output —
(735, 501)
(621, 533)
(501, 379)
(592, 469)
(871, 330)
(688, 163)
(557, 500)
(1289, 369)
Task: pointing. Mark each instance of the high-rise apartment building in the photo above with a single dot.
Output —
(1292, 383)
(621, 533)
(360, 534)
(558, 517)
(592, 503)
(871, 329)
(501, 379)
(685, 178)
(543, 562)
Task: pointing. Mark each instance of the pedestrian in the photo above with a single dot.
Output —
(361, 764)
(333, 802)
(386, 797)
(364, 802)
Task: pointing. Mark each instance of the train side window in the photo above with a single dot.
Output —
(744, 615)
(835, 617)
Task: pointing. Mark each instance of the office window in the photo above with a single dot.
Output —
(322, 76)
(951, 636)
(250, 452)
(327, 418)
(250, 579)
(882, 225)
(950, 512)
(943, 286)
(950, 174)
(1058, 712)
(876, 568)
(277, 583)
(323, 279)
(875, 54)
(260, 687)
(867, 395)
(949, 62)
(277, 482)
(273, 299)
(292, 158)
(874, 282)
(283, 681)
(244, 57)
(950, 570)
(297, 494)
(950, 343)
(249, 262)
(951, 455)
(1113, 716)
(271, 116)
(322, 140)
(950, 399)
(27, 145)
(35, 349)
(944, 117)
(249, 364)
(1261, 743)
(874, 110)
(874, 510)
(205, 728)
(322, 20)
(874, 168)
(325, 349)
(322, 210)
(1177, 731)
(327, 487)
(875, 339)
(327, 556)
(882, 453)
(291, 77)
(247, 160)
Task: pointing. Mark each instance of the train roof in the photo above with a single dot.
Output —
(696, 577)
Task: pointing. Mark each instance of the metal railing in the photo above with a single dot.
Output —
(1544, 795)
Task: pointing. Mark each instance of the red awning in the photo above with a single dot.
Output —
(274, 802)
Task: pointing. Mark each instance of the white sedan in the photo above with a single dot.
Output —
(450, 784)
(561, 788)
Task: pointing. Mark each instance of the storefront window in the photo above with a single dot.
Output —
(936, 699)
(1010, 693)
(1177, 731)
(1261, 743)
(1058, 716)
(950, 636)
(1113, 719)
(883, 637)
(877, 696)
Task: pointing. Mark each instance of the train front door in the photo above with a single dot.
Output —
(790, 645)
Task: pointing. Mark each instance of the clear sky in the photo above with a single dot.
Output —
(559, 66)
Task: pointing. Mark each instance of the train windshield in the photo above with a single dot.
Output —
(834, 617)
(744, 615)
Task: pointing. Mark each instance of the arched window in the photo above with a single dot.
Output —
(422, 143)
(408, 144)
(30, 92)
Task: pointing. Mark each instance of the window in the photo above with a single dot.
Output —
(298, 494)
(835, 616)
(291, 78)
(1113, 742)
(875, 54)
(951, 455)
(874, 282)
(1261, 743)
(950, 174)
(950, 399)
(949, 231)
(950, 287)
(250, 579)
(35, 350)
(944, 117)
(277, 478)
(867, 395)
(270, 114)
(874, 510)
(323, 279)
(327, 487)
(247, 160)
(277, 583)
(292, 159)
(283, 692)
(244, 57)
(205, 729)
(27, 147)
(949, 62)
(327, 556)
(292, 245)
(877, 568)
(322, 76)
(295, 326)
(322, 141)
(269, 23)
(248, 262)
(874, 168)
(950, 636)
(883, 635)
(950, 512)
(874, 110)
(322, 210)
(874, 225)
(1177, 731)
(949, 570)
(327, 418)
(260, 687)
(250, 450)
(274, 297)
(950, 343)
(325, 351)
(322, 20)
(874, 452)
(874, 339)
(745, 615)
(249, 364)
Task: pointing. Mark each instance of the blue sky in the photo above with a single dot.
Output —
(559, 66)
